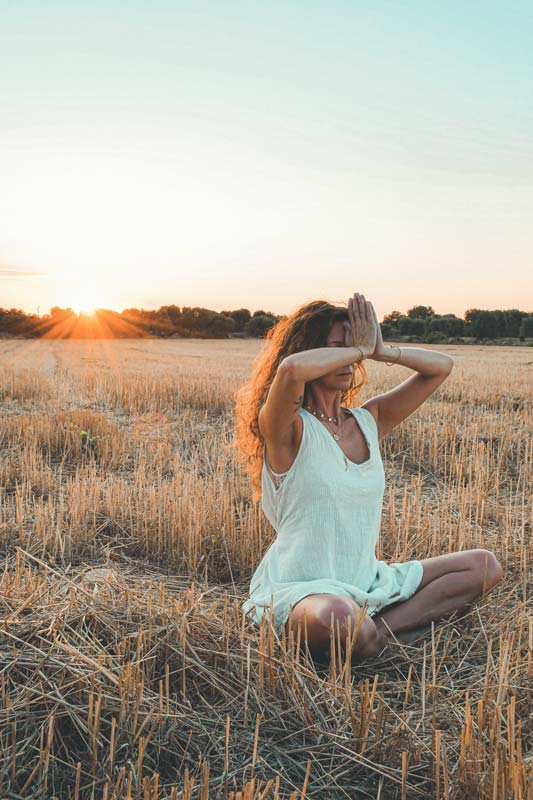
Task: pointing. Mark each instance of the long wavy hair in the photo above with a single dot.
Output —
(305, 329)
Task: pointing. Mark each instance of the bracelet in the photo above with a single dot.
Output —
(362, 354)
(390, 363)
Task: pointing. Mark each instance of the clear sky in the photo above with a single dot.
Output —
(263, 154)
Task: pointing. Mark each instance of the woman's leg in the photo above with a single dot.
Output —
(451, 582)
(315, 613)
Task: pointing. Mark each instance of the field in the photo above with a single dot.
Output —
(128, 537)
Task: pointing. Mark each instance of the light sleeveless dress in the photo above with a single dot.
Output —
(326, 511)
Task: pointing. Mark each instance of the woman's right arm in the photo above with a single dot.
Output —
(278, 415)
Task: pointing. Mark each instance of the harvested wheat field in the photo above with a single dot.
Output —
(128, 537)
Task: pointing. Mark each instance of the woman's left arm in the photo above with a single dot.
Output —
(428, 363)
(392, 407)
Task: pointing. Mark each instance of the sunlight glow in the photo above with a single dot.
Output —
(81, 298)
(85, 310)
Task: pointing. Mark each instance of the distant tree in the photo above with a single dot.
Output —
(220, 325)
(131, 314)
(512, 321)
(259, 324)
(393, 317)
(499, 323)
(420, 312)
(262, 313)
(173, 314)
(412, 326)
(57, 311)
(196, 319)
(526, 327)
(449, 325)
(241, 317)
(481, 323)
(388, 331)
(13, 320)
(420, 322)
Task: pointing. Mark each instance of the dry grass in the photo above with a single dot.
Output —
(128, 538)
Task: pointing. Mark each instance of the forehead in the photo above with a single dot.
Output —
(337, 331)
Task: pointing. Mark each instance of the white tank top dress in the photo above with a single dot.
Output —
(326, 511)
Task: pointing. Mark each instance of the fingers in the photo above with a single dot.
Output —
(363, 306)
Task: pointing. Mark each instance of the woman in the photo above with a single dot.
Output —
(322, 481)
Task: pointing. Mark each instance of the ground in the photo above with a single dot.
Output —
(128, 537)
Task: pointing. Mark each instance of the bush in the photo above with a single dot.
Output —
(258, 325)
(435, 337)
(220, 326)
(411, 327)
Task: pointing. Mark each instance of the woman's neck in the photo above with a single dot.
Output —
(327, 403)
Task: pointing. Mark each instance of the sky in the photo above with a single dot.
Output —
(262, 155)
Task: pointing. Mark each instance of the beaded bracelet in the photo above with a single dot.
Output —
(390, 363)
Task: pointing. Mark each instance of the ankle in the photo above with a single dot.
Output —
(376, 643)
(383, 634)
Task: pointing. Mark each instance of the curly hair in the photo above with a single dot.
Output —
(306, 328)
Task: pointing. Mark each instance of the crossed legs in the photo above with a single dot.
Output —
(450, 583)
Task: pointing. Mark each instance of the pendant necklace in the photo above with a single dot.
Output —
(321, 415)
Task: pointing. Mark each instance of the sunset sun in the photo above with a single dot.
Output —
(84, 309)
(84, 303)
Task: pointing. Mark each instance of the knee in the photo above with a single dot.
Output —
(487, 568)
(337, 612)
(334, 610)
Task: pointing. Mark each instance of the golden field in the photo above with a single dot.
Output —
(128, 538)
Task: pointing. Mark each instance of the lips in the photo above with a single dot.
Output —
(347, 374)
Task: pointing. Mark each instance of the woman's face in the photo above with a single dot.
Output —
(339, 379)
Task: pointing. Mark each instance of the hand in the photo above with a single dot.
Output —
(380, 347)
(362, 329)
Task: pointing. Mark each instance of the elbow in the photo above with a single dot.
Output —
(286, 364)
(449, 365)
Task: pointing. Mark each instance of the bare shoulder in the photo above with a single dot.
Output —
(372, 405)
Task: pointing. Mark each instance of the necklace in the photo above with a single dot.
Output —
(321, 415)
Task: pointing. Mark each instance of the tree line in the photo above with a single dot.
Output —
(419, 323)
(423, 322)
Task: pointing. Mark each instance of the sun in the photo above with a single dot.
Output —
(85, 304)
(84, 309)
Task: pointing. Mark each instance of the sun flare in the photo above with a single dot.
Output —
(84, 310)
(85, 304)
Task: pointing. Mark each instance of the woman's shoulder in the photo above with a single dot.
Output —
(370, 411)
